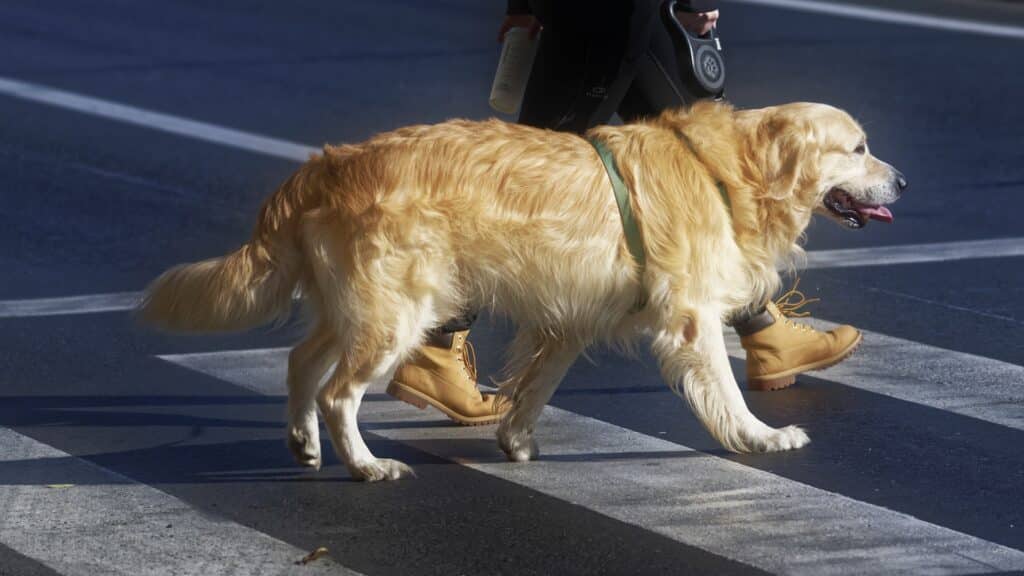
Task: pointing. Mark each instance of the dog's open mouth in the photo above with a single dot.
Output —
(852, 213)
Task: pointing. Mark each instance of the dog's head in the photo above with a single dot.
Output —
(817, 156)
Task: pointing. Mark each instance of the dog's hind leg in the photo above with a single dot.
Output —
(307, 364)
(339, 402)
(382, 278)
(370, 354)
(701, 369)
(543, 365)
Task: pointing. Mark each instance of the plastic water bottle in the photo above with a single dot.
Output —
(514, 66)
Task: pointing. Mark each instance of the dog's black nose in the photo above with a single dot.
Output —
(901, 181)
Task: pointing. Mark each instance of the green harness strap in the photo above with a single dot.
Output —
(718, 183)
(634, 241)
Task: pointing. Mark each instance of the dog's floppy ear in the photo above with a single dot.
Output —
(789, 149)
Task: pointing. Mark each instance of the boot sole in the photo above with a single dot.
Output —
(421, 401)
(786, 378)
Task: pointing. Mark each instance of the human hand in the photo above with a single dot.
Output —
(699, 23)
(511, 21)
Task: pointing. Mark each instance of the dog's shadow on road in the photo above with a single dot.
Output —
(188, 439)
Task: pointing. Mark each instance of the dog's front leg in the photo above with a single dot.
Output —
(531, 389)
(697, 368)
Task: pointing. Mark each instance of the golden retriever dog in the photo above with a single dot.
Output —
(389, 238)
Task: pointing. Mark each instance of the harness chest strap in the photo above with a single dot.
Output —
(718, 183)
(634, 239)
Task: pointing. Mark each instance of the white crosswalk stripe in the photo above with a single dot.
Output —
(958, 382)
(83, 520)
(881, 14)
(728, 509)
(916, 253)
(69, 305)
(154, 120)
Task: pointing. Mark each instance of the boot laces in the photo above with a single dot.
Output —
(790, 303)
(468, 359)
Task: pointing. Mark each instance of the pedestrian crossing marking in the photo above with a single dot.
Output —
(721, 506)
(114, 525)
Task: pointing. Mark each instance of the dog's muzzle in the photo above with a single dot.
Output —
(854, 214)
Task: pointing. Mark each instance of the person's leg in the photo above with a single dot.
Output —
(460, 323)
(556, 79)
(442, 372)
(577, 80)
(778, 348)
(657, 85)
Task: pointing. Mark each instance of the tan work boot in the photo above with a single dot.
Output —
(778, 349)
(443, 374)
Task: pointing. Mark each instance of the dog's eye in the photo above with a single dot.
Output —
(860, 149)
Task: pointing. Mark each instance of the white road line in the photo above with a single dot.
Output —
(816, 259)
(916, 253)
(155, 120)
(80, 519)
(721, 506)
(84, 304)
(893, 17)
(982, 388)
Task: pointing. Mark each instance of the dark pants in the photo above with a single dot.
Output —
(586, 70)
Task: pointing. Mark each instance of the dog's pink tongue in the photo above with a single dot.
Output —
(876, 213)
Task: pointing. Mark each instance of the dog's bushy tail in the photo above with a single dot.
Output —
(246, 288)
(233, 292)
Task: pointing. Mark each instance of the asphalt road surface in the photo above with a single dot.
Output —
(136, 135)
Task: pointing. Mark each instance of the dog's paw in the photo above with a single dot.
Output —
(780, 439)
(304, 449)
(518, 447)
(523, 452)
(380, 469)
